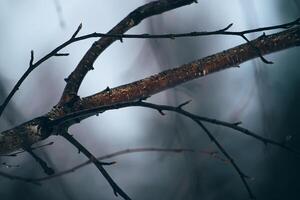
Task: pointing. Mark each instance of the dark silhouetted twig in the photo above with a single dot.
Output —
(117, 190)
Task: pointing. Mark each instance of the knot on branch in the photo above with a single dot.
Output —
(38, 127)
(29, 132)
(67, 102)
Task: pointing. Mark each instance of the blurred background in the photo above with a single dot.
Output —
(264, 97)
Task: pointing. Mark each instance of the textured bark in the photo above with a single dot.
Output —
(25, 134)
(170, 78)
(38, 129)
(133, 19)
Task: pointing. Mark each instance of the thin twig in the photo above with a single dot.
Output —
(160, 108)
(179, 110)
(122, 152)
(234, 126)
(214, 154)
(223, 31)
(32, 66)
(19, 178)
(227, 155)
(40, 161)
(116, 189)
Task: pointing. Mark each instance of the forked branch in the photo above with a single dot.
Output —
(133, 19)
(72, 109)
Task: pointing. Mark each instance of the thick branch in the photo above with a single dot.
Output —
(170, 78)
(133, 19)
(11, 140)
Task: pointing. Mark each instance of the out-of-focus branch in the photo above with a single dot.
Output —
(23, 151)
(227, 155)
(37, 181)
(213, 154)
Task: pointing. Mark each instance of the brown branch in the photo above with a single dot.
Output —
(170, 78)
(10, 140)
(71, 109)
(74, 39)
(134, 18)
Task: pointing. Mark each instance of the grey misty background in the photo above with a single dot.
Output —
(264, 97)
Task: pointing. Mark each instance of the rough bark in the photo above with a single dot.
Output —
(38, 129)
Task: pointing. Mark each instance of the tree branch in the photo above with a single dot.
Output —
(117, 190)
(74, 39)
(134, 18)
(71, 109)
(33, 66)
(170, 78)
(10, 140)
(37, 181)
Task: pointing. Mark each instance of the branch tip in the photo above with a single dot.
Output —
(227, 27)
(184, 104)
(77, 31)
(31, 58)
(61, 54)
(237, 123)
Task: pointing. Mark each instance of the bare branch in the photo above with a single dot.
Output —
(40, 161)
(214, 154)
(223, 31)
(144, 88)
(234, 126)
(33, 66)
(77, 31)
(233, 163)
(72, 109)
(73, 39)
(133, 19)
(117, 190)
(160, 108)
(170, 78)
